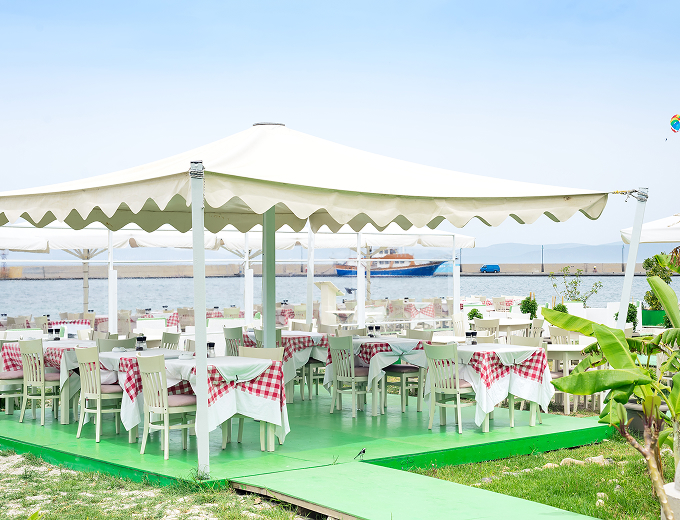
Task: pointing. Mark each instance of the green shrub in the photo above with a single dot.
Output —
(631, 316)
(529, 306)
(560, 307)
(474, 313)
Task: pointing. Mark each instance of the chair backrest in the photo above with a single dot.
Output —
(425, 335)
(300, 312)
(443, 368)
(154, 382)
(151, 323)
(486, 339)
(351, 332)
(490, 326)
(499, 304)
(459, 323)
(628, 330)
(74, 315)
(107, 345)
(33, 362)
(98, 334)
(63, 315)
(300, 325)
(84, 334)
(90, 316)
(259, 338)
(526, 341)
(21, 322)
(536, 330)
(342, 356)
(397, 310)
(327, 329)
(190, 345)
(123, 323)
(233, 336)
(41, 322)
(231, 312)
(88, 365)
(559, 336)
(350, 305)
(186, 317)
(275, 354)
(170, 340)
(141, 312)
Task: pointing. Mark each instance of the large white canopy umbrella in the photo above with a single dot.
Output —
(273, 175)
(663, 231)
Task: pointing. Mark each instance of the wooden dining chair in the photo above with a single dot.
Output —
(92, 389)
(170, 340)
(331, 330)
(9, 380)
(84, 334)
(351, 332)
(41, 322)
(446, 387)
(157, 401)
(231, 312)
(410, 377)
(491, 326)
(536, 330)
(37, 380)
(459, 324)
(259, 338)
(107, 345)
(300, 326)
(345, 373)
(233, 336)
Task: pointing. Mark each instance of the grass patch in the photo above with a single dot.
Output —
(28, 484)
(623, 481)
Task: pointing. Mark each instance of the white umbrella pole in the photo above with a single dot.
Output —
(455, 274)
(269, 277)
(361, 287)
(641, 197)
(113, 290)
(86, 282)
(310, 277)
(197, 225)
(249, 283)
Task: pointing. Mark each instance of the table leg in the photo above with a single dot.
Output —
(511, 408)
(65, 403)
(270, 437)
(9, 405)
(565, 373)
(132, 435)
(533, 410)
(485, 424)
(421, 384)
(374, 409)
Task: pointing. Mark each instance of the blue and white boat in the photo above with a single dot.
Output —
(393, 264)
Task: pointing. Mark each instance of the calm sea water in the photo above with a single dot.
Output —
(39, 297)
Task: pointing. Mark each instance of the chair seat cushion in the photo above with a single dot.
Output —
(402, 369)
(12, 374)
(181, 400)
(51, 376)
(111, 389)
(361, 371)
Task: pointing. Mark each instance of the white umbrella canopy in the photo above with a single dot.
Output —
(665, 230)
(305, 178)
(17, 240)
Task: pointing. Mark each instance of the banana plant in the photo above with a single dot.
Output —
(630, 374)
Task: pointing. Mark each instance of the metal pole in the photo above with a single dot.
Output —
(310, 277)
(361, 287)
(542, 266)
(269, 277)
(641, 196)
(197, 225)
(456, 282)
(113, 290)
(622, 266)
(249, 283)
(86, 283)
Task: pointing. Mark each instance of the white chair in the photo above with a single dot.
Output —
(300, 325)
(259, 338)
(233, 336)
(84, 334)
(157, 401)
(410, 376)
(36, 378)
(231, 312)
(72, 316)
(459, 324)
(186, 317)
(190, 345)
(300, 312)
(92, 389)
(327, 329)
(446, 387)
(107, 345)
(9, 381)
(345, 373)
(351, 332)
(170, 341)
(41, 322)
(490, 326)
(536, 330)
(499, 304)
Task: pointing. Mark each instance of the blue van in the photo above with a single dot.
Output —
(490, 268)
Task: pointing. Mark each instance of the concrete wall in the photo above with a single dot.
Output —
(56, 272)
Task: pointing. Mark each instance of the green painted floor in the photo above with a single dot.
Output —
(319, 454)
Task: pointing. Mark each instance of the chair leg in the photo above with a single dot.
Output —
(402, 390)
(166, 435)
(532, 411)
(433, 398)
(421, 377)
(263, 436)
(459, 414)
(42, 406)
(270, 437)
(116, 417)
(310, 380)
(23, 405)
(98, 427)
(226, 433)
(442, 416)
(485, 424)
(334, 395)
(241, 422)
(145, 435)
(185, 432)
(80, 421)
(354, 399)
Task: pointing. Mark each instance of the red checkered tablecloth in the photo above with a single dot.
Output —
(100, 319)
(490, 368)
(214, 314)
(171, 319)
(132, 379)
(269, 384)
(413, 311)
(285, 314)
(291, 344)
(57, 323)
(11, 356)
(368, 350)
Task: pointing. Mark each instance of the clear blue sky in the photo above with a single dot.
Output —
(569, 93)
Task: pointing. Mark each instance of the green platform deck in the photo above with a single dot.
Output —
(316, 466)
